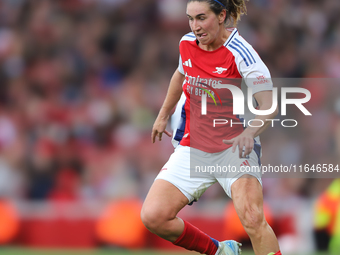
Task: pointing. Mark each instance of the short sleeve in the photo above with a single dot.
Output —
(180, 65)
(256, 75)
(250, 65)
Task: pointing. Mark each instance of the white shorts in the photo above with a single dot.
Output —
(193, 171)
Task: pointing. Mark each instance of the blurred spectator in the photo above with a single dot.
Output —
(83, 80)
(327, 219)
(86, 77)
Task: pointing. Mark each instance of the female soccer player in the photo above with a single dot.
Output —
(209, 55)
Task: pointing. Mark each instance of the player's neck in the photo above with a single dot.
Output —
(219, 41)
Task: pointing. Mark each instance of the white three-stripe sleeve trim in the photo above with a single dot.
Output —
(250, 65)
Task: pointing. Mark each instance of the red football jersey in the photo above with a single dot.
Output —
(204, 71)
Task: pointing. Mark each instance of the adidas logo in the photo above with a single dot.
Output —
(245, 163)
(187, 63)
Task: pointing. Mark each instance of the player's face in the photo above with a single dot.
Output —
(204, 23)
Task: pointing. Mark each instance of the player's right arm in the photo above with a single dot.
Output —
(171, 99)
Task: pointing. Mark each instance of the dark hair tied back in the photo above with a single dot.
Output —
(235, 8)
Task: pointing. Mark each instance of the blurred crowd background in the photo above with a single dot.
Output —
(81, 82)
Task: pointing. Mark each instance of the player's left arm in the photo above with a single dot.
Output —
(246, 139)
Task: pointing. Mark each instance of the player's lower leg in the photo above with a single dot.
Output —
(263, 239)
(248, 201)
(195, 240)
(159, 212)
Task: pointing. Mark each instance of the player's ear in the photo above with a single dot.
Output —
(222, 16)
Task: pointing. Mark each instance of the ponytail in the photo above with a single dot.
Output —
(235, 9)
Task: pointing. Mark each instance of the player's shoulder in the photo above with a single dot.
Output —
(235, 39)
(189, 37)
(241, 48)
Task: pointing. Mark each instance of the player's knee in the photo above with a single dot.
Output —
(252, 218)
(149, 219)
(153, 220)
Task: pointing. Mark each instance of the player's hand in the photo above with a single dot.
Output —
(245, 143)
(159, 128)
